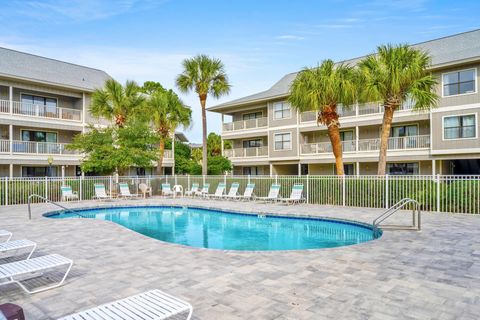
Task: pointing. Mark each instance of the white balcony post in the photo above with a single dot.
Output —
(60, 113)
(37, 110)
(223, 125)
(222, 145)
(357, 165)
(10, 98)
(36, 147)
(357, 133)
(10, 137)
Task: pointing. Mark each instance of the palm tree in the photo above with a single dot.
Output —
(205, 76)
(392, 76)
(166, 112)
(116, 102)
(322, 89)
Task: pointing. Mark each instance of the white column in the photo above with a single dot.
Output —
(10, 169)
(271, 169)
(299, 169)
(434, 169)
(357, 133)
(63, 173)
(10, 96)
(440, 164)
(10, 137)
(357, 167)
(222, 144)
(84, 107)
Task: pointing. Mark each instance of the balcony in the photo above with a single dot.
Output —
(167, 154)
(30, 147)
(359, 109)
(42, 111)
(245, 124)
(394, 143)
(246, 152)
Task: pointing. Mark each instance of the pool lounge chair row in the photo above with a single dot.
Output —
(296, 195)
(101, 192)
(150, 305)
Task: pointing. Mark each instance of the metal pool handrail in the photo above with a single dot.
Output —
(416, 216)
(46, 200)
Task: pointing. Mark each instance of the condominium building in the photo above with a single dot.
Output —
(44, 103)
(269, 137)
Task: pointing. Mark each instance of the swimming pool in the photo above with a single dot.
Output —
(215, 229)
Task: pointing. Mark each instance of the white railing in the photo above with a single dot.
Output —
(309, 116)
(168, 154)
(245, 124)
(4, 146)
(454, 194)
(246, 152)
(39, 110)
(326, 147)
(36, 147)
(396, 143)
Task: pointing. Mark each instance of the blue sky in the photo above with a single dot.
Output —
(259, 41)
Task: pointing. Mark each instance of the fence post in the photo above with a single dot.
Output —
(438, 193)
(6, 191)
(188, 181)
(80, 188)
(175, 178)
(307, 190)
(386, 191)
(203, 179)
(110, 185)
(46, 187)
(248, 179)
(276, 179)
(225, 179)
(343, 190)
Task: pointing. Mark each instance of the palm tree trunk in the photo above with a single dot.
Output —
(203, 102)
(386, 127)
(334, 135)
(161, 153)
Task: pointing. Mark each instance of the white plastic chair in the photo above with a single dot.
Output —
(125, 191)
(295, 196)
(192, 191)
(68, 194)
(272, 194)
(204, 191)
(218, 192)
(101, 192)
(233, 192)
(166, 190)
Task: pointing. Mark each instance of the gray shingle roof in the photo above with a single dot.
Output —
(444, 51)
(36, 68)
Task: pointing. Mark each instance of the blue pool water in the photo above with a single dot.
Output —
(214, 229)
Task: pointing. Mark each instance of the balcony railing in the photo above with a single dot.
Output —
(326, 147)
(245, 124)
(167, 154)
(39, 110)
(31, 147)
(246, 152)
(363, 109)
(394, 143)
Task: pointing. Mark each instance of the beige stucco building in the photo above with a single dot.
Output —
(269, 137)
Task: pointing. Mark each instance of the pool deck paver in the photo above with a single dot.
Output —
(431, 274)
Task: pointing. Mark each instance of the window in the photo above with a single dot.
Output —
(402, 168)
(404, 131)
(346, 135)
(253, 171)
(252, 143)
(459, 127)
(39, 172)
(253, 115)
(283, 141)
(460, 82)
(47, 105)
(39, 136)
(281, 110)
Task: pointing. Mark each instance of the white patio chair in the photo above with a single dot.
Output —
(100, 192)
(248, 193)
(192, 191)
(218, 192)
(5, 233)
(272, 194)
(150, 305)
(68, 194)
(125, 191)
(204, 191)
(166, 190)
(144, 189)
(177, 190)
(16, 247)
(18, 271)
(295, 196)
(233, 192)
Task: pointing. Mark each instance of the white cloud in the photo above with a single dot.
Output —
(290, 37)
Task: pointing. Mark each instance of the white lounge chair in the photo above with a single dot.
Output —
(296, 196)
(68, 194)
(144, 189)
(248, 193)
(101, 192)
(192, 191)
(233, 192)
(16, 247)
(218, 192)
(5, 233)
(18, 271)
(150, 305)
(166, 190)
(204, 191)
(272, 194)
(125, 192)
